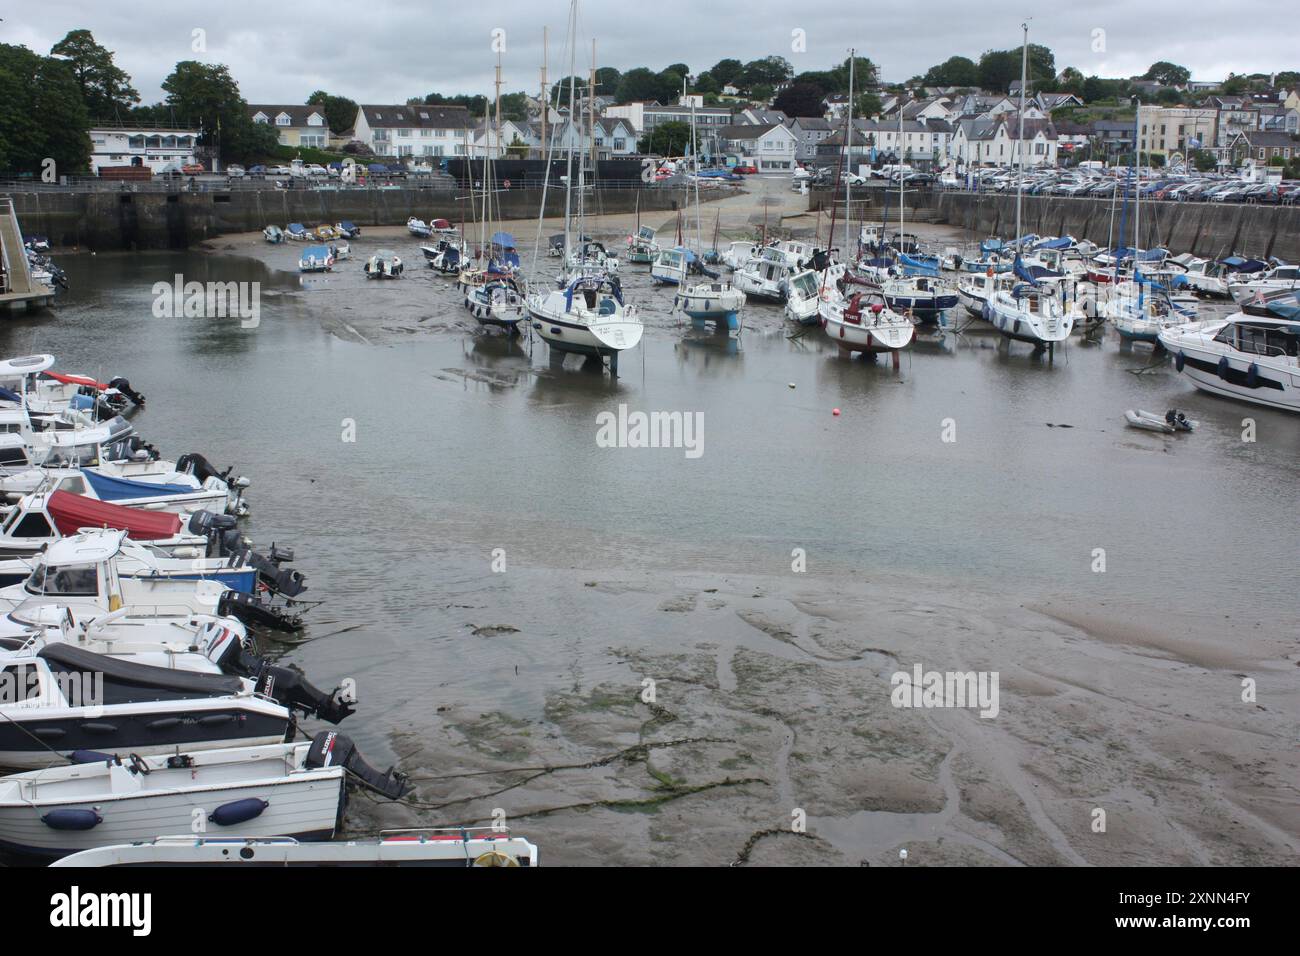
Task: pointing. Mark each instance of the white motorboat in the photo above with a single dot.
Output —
(340, 250)
(736, 254)
(419, 228)
(384, 264)
(449, 848)
(299, 233)
(1140, 312)
(273, 235)
(804, 292)
(71, 699)
(672, 266)
(591, 254)
(177, 491)
(1279, 278)
(446, 256)
(38, 520)
(316, 259)
(766, 275)
(287, 789)
(1248, 357)
(42, 391)
(862, 321)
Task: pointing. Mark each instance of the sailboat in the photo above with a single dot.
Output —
(1029, 311)
(861, 321)
(498, 302)
(711, 300)
(641, 248)
(1139, 309)
(586, 315)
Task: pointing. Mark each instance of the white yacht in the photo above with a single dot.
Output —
(1248, 357)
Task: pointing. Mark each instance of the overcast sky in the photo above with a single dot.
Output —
(383, 51)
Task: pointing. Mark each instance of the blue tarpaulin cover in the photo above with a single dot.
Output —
(120, 489)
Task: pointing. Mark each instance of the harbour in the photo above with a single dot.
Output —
(703, 468)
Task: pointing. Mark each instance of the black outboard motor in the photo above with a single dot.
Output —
(216, 528)
(200, 467)
(329, 748)
(253, 611)
(291, 689)
(123, 386)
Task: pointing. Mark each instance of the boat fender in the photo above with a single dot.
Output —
(1180, 360)
(1016, 327)
(1252, 376)
(71, 819)
(238, 811)
(92, 756)
(1224, 366)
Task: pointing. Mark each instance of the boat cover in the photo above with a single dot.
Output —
(75, 380)
(73, 512)
(118, 489)
(65, 657)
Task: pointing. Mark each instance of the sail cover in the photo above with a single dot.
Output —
(73, 512)
(117, 489)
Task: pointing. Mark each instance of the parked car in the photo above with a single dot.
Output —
(277, 170)
(745, 170)
(235, 171)
(193, 169)
(314, 169)
(258, 170)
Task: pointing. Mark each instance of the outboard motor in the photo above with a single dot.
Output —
(208, 523)
(285, 581)
(123, 386)
(329, 748)
(202, 469)
(290, 688)
(250, 609)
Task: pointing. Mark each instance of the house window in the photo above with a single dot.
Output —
(403, 133)
(426, 132)
(283, 120)
(620, 143)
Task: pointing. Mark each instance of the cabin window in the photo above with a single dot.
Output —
(73, 486)
(69, 580)
(13, 456)
(18, 683)
(33, 525)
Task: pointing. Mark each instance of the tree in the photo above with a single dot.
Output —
(561, 89)
(514, 106)
(954, 71)
(867, 104)
(864, 73)
(1203, 160)
(517, 149)
(761, 92)
(768, 71)
(42, 114)
(340, 112)
(667, 139)
(1170, 74)
(1235, 85)
(105, 89)
(207, 96)
(998, 69)
(607, 81)
(671, 84)
(727, 71)
(1072, 81)
(707, 84)
(801, 99)
(637, 84)
(681, 69)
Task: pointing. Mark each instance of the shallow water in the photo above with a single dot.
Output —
(467, 443)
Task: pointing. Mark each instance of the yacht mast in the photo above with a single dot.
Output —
(568, 163)
(546, 94)
(1020, 137)
(848, 160)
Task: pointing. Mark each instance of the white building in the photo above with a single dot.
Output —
(768, 147)
(992, 142)
(160, 148)
(419, 131)
(297, 126)
(1173, 130)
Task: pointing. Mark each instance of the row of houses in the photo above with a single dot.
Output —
(940, 129)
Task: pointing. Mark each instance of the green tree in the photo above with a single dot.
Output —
(727, 72)
(514, 106)
(1170, 74)
(105, 89)
(42, 114)
(867, 104)
(1203, 160)
(340, 112)
(768, 71)
(607, 81)
(707, 84)
(517, 149)
(998, 69)
(667, 139)
(206, 96)
(1072, 81)
(954, 71)
(864, 73)
(1235, 85)
(638, 84)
